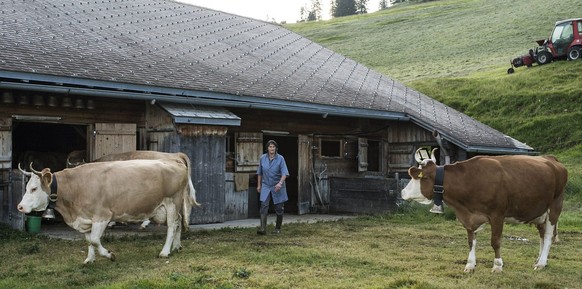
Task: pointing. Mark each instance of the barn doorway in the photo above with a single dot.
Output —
(30, 139)
(45, 145)
(288, 148)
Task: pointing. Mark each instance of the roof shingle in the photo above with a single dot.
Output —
(168, 44)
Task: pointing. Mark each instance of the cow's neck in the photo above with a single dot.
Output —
(439, 180)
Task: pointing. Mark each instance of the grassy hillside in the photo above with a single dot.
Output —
(441, 38)
(458, 52)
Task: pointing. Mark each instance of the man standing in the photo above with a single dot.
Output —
(271, 175)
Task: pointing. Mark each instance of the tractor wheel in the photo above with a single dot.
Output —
(574, 53)
(544, 57)
(510, 70)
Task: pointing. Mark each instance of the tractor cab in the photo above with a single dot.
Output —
(565, 41)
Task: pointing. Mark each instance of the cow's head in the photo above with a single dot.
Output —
(36, 197)
(420, 187)
(76, 158)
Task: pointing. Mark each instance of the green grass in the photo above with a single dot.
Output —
(535, 105)
(409, 249)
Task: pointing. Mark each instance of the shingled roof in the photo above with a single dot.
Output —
(183, 53)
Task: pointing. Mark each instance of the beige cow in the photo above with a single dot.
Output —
(91, 195)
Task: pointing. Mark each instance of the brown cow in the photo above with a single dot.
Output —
(494, 190)
(91, 195)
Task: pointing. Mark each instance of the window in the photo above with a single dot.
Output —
(563, 32)
(373, 155)
(330, 148)
(369, 154)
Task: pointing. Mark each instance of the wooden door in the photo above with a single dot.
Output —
(249, 148)
(303, 175)
(5, 143)
(362, 154)
(111, 138)
(9, 197)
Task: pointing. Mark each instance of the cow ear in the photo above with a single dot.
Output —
(415, 173)
(47, 177)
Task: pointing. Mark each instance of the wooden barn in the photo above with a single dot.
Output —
(82, 79)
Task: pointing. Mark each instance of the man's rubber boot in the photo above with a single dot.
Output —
(263, 229)
(278, 224)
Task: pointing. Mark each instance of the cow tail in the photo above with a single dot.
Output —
(189, 195)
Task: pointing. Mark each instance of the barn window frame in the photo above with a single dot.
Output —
(370, 155)
(331, 148)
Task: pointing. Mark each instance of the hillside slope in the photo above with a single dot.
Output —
(458, 51)
(441, 38)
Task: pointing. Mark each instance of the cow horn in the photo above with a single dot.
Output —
(432, 156)
(417, 156)
(28, 174)
(35, 171)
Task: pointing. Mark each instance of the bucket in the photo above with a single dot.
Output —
(33, 224)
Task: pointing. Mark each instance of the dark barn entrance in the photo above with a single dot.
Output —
(288, 148)
(45, 145)
(31, 140)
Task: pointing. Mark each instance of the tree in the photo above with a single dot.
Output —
(316, 9)
(341, 8)
(313, 13)
(383, 4)
(361, 6)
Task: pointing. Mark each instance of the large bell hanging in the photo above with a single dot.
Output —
(49, 214)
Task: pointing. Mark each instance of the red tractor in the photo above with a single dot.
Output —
(565, 42)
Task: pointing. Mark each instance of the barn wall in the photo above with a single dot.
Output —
(403, 140)
(73, 109)
(395, 145)
(13, 195)
(361, 195)
(318, 169)
(205, 145)
(236, 196)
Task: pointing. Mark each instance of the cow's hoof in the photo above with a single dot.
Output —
(469, 268)
(112, 257)
(496, 269)
(88, 261)
(539, 267)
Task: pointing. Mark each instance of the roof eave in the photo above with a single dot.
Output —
(472, 148)
(499, 150)
(97, 88)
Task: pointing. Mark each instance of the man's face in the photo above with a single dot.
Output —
(272, 148)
